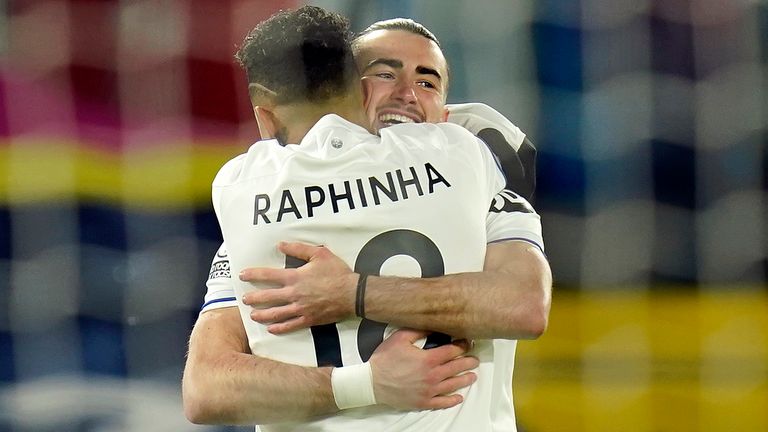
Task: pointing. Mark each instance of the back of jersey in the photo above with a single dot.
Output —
(411, 203)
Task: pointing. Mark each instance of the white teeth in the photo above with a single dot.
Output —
(388, 118)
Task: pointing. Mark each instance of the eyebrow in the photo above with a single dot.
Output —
(397, 64)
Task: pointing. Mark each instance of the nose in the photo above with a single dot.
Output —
(405, 92)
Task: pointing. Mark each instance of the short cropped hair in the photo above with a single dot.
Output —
(302, 55)
(405, 24)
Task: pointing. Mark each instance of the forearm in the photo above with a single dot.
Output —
(245, 389)
(443, 304)
(224, 385)
(510, 299)
(471, 305)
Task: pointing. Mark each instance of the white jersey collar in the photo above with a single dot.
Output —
(331, 124)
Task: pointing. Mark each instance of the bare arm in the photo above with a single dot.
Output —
(509, 299)
(224, 384)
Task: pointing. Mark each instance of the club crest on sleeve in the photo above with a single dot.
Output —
(508, 202)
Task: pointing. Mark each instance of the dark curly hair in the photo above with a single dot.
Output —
(299, 55)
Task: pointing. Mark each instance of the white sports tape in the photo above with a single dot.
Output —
(353, 386)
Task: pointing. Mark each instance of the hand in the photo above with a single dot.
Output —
(319, 292)
(407, 377)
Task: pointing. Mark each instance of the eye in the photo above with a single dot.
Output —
(385, 75)
(426, 84)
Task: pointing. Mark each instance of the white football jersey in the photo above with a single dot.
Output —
(512, 223)
(411, 203)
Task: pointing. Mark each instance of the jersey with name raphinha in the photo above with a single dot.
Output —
(411, 203)
(521, 225)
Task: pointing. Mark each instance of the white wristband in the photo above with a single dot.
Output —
(353, 386)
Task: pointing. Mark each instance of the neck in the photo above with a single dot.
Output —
(299, 118)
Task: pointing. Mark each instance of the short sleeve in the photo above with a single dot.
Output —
(220, 292)
(511, 217)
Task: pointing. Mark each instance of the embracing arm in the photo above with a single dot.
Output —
(224, 384)
(509, 299)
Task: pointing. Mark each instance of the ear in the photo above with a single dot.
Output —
(367, 89)
(445, 115)
(269, 125)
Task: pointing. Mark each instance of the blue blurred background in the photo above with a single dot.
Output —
(651, 120)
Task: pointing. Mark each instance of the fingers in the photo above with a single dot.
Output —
(445, 353)
(444, 389)
(408, 335)
(288, 326)
(442, 402)
(456, 383)
(302, 251)
(277, 314)
(456, 366)
(262, 274)
(465, 344)
(267, 297)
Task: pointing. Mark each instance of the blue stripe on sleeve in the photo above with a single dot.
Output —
(521, 239)
(217, 301)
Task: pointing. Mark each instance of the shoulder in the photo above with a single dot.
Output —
(229, 173)
(262, 157)
(428, 134)
(477, 117)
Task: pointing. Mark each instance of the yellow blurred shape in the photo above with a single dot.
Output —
(168, 176)
(669, 359)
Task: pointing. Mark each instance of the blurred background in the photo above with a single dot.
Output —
(651, 120)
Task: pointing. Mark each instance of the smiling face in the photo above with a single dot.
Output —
(404, 76)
